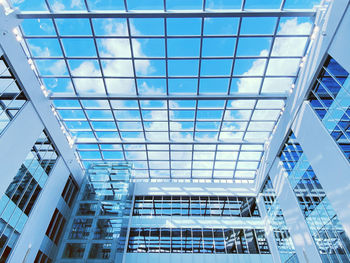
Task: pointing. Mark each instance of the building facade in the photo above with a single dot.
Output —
(297, 208)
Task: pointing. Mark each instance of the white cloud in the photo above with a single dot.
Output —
(87, 68)
(120, 48)
(57, 6)
(284, 47)
(58, 68)
(76, 3)
(40, 51)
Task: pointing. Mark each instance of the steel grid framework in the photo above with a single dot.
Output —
(210, 132)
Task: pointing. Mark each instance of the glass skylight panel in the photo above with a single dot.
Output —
(120, 86)
(169, 81)
(35, 27)
(110, 26)
(145, 5)
(183, 47)
(182, 86)
(147, 27)
(253, 46)
(151, 47)
(262, 4)
(276, 85)
(216, 67)
(240, 104)
(249, 67)
(258, 25)
(295, 26)
(57, 85)
(45, 48)
(183, 67)
(221, 85)
(223, 4)
(31, 5)
(295, 4)
(245, 85)
(282, 67)
(218, 47)
(106, 5)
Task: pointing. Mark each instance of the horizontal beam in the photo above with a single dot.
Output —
(237, 142)
(161, 37)
(169, 58)
(12, 95)
(168, 77)
(237, 96)
(162, 14)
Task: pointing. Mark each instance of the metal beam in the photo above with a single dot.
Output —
(236, 96)
(177, 14)
(12, 95)
(239, 142)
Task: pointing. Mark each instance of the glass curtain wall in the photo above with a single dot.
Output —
(12, 97)
(197, 240)
(195, 206)
(97, 228)
(56, 227)
(330, 238)
(281, 233)
(21, 195)
(330, 98)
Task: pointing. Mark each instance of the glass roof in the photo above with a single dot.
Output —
(186, 89)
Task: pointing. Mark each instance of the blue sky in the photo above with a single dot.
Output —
(168, 56)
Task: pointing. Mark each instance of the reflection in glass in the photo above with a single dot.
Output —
(326, 230)
(197, 240)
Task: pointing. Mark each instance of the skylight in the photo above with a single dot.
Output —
(184, 89)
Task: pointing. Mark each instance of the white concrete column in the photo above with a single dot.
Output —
(16, 142)
(333, 37)
(341, 42)
(327, 160)
(31, 84)
(268, 230)
(35, 228)
(305, 247)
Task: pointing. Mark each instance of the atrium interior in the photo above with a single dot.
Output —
(175, 131)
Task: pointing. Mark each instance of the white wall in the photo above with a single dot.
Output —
(298, 229)
(269, 234)
(18, 60)
(16, 142)
(339, 48)
(35, 228)
(324, 155)
(329, 30)
(327, 161)
(19, 137)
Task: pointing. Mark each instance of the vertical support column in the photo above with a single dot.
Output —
(15, 143)
(268, 230)
(305, 247)
(35, 228)
(31, 84)
(129, 222)
(327, 160)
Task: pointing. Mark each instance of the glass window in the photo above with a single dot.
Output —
(330, 100)
(324, 225)
(195, 206)
(12, 97)
(197, 240)
(100, 251)
(81, 228)
(74, 250)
